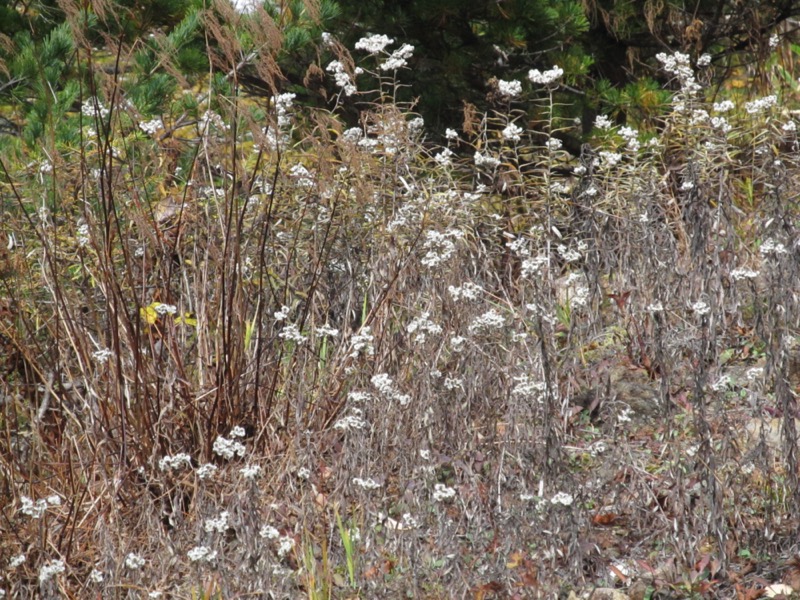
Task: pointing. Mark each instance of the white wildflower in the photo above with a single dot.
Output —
(134, 561)
(51, 569)
(739, 274)
(351, 421)
(701, 308)
(771, 247)
(562, 498)
(367, 484)
(724, 106)
(150, 127)
(485, 160)
(603, 122)
(554, 144)
(218, 525)
(250, 471)
(398, 58)
(165, 309)
(285, 545)
(422, 326)
(546, 77)
(201, 553)
(445, 157)
(491, 319)
(292, 333)
(227, 448)
(441, 492)
(450, 134)
(16, 561)
(206, 471)
(96, 576)
(374, 43)
(269, 532)
(362, 342)
(761, 104)
(510, 89)
(173, 463)
(512, 132)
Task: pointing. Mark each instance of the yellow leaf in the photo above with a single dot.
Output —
(149, 314)
(188, 318)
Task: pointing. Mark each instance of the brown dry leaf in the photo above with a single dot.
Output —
(515, 560)
(482, 591)
(606, 519)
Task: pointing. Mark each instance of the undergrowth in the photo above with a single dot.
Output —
(253, 350)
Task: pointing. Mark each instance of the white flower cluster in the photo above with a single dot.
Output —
(327, 331)
(534, 265)
(283, 107)
(134, 561)
(554, 144)
(227, 448)
(51, 569)
(771, 247)
(510, 89)
(610, 159)
(441, 492)
(526, 387)
(269, 532)
(562, 498)
(150, 127)
(445, 157)
(742, 273)
(485, 160)
(250, 471)
(302, 177)
(701, 308)
(218, 525)
(173, 463)
(82, 233)
(679, 65)
(761, 104)
(16, 561)
(512, 132)
(35, 510)
(385, 386)
(439, 246)
(342, 78)
(285, 545)
(165, 309)
(491, 319)
(201, 554)
(603, 122)
(422, 326)
(546, 77)
(724, 106)
(292, 333)
(206, 471)
(374, 43)
(398, 58)
(362, 342)
(211, 119)
(93, 107)
(354, 420)
(632, 137)
(465, 291)
(367, 484)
